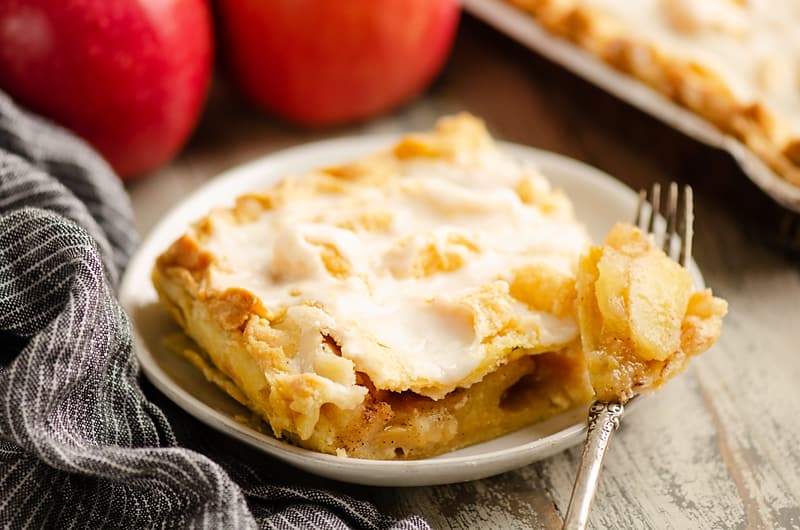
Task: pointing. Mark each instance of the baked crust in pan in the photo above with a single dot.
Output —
(735, 63)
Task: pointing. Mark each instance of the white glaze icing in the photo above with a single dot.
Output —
(405, 332)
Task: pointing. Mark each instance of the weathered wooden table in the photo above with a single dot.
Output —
(719, 447)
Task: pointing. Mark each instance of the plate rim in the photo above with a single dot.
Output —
(307, 459)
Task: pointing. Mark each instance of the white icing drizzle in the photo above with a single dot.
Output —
(404, 332)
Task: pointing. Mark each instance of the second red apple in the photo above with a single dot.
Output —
(318, 62)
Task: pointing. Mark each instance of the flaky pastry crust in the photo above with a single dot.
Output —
(267, 336)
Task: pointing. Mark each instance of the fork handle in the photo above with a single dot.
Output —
(603, 422)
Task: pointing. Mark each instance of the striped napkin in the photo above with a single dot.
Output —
(81, 445)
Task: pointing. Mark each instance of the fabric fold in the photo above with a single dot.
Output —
(80, 442)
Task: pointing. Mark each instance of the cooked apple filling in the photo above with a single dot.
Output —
(641, 320)
(414, 301)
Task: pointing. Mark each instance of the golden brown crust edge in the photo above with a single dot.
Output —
(385, 425)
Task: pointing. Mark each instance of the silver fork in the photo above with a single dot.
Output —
(670, 224)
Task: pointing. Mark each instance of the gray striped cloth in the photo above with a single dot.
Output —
(81, 444)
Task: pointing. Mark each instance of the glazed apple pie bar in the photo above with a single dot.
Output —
(736, 63)
(424, 298)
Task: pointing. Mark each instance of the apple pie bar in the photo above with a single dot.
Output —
(424, 298)
(736, 63)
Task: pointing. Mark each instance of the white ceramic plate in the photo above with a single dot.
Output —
(599, 200)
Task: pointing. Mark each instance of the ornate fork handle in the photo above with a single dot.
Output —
(603, 422)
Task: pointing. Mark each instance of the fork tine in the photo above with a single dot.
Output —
(677, 218)
(641, 211)
(685, 226)
(655, 202)
(671, 216)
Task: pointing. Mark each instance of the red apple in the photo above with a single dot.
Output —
(129, 76)
(323, 62)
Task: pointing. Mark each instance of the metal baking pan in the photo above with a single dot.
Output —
(522, 27)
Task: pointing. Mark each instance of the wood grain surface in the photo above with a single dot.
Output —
(719, 447)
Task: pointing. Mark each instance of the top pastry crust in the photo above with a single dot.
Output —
(734, 62)
(407, 303)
